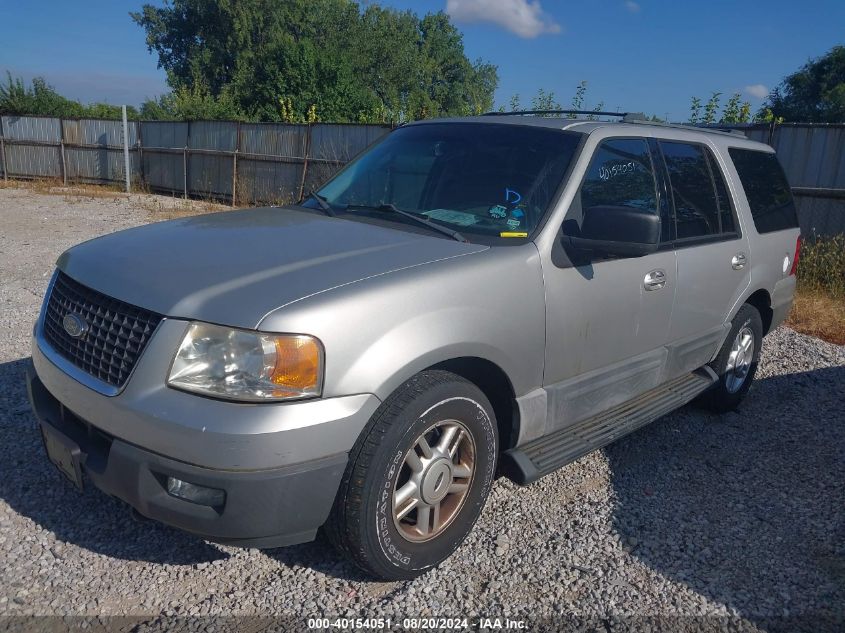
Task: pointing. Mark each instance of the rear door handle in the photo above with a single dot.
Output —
(654, 280)
(738, 261)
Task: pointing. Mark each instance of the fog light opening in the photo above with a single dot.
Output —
(195, 493)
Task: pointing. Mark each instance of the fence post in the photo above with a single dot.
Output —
(305, 161)
(142, 180)
(62, 150)
(235, 165)
(185, 172)
(126, 148)
(3, 152)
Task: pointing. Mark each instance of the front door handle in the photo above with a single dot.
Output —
(654, 280)
(738, 261)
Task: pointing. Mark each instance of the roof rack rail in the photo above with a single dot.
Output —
(693, 127)
(585, 112)
(625, 117)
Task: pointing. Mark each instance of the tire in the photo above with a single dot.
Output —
(444, 409)
(733, 384)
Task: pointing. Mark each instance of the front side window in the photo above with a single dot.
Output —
(766, 188)
(620, 175)
(692, 190)
(483, 180)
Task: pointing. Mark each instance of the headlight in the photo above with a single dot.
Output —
(248, 366)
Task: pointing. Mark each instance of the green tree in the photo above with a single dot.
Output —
(346, 63)
(815, 93)
(735, 110)
(711, 109)
(695, 110)
(41, 99)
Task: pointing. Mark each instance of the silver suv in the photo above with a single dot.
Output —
(468, 298)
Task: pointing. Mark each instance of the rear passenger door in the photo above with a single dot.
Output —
(712, 256)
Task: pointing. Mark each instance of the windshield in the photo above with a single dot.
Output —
(484, 180)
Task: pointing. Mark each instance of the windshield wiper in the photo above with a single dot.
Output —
(324, 205)
(389, 206)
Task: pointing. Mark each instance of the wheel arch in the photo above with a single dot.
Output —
(495, 384)
(762, 301)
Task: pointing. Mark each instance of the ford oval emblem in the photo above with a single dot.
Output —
(75, 325)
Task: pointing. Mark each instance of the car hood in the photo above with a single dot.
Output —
(234, 267)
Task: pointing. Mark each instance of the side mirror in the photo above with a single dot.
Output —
(611, 230)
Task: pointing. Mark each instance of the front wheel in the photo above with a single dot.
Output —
(417, 478)
(737, 361)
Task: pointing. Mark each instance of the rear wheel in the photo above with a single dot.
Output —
(737, 361)
(417, 478)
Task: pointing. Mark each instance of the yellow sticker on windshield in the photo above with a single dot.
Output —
(513, 234)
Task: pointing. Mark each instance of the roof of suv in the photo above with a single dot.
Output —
(587, 126)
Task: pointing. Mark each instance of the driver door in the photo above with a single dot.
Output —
(608, 319)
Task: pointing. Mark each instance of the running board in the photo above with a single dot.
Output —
(526, 464)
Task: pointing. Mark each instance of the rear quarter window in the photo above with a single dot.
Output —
(766, 189)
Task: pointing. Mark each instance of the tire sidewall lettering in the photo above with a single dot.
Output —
(396, 550)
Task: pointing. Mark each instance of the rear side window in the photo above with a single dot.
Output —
(766, 188)
(693, 190)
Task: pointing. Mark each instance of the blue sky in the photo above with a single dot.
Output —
(643, 55)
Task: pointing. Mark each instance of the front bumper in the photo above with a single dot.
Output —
(203, 431)
(279, 464)
(264, 508)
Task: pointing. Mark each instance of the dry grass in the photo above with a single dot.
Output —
(818, 314)
(54, 186)
(159, 207)
(819, 307)
(169, 208)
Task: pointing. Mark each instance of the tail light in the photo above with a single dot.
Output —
(796, 257)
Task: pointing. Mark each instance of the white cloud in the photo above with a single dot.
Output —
(757, 90)
(525, 18)
(632, 6)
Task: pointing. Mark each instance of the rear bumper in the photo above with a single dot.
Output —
(262, 508)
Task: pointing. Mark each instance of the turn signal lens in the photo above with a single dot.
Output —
(297, 363)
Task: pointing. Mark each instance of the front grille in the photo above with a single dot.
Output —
(117, 331)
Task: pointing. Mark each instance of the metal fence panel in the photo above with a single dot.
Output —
(219, 135)
(164, 134)
(334, 145)
(33, 161)
(340, 143)
(3, 152)
(211, 174)
(32, 128)
(270, 162)
(263, 181)
(40, 159)
(813, 157)
(98, 132)
(820, 216)
(163, 144)
(274, 139)
(94, 150)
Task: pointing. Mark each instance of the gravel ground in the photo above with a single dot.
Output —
(739, 516)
